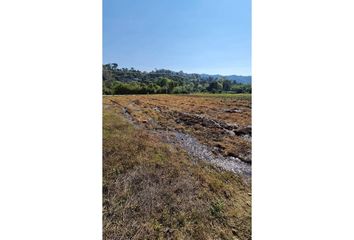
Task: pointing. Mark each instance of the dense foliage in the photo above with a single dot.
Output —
(130, 81)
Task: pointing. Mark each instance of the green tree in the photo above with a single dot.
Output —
(215, 86)
(226, 85)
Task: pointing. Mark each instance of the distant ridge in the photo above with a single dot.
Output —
(234, 78)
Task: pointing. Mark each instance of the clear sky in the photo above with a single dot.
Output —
(195, 36)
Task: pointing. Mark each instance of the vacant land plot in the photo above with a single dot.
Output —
(177, 167)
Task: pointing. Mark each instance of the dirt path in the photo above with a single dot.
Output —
(203, 152)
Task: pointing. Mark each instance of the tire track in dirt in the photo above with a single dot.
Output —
(193, 147)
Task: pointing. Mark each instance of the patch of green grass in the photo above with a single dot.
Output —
(217, 208)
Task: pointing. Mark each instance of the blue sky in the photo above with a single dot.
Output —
(199, 36)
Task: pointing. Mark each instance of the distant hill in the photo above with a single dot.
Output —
(234, 78)
(240, 79)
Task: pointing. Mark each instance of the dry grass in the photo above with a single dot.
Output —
(152, 190)
(163, 110)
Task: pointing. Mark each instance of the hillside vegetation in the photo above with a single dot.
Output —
(130, 81)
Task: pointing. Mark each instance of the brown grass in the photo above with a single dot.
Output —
(149, 110)
(152, 190)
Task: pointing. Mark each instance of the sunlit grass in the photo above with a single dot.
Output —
(245, 96)
(152, 190)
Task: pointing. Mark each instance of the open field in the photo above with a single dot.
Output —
(222, 123)
(177, 167)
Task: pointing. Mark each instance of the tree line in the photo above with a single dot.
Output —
(131, 81)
